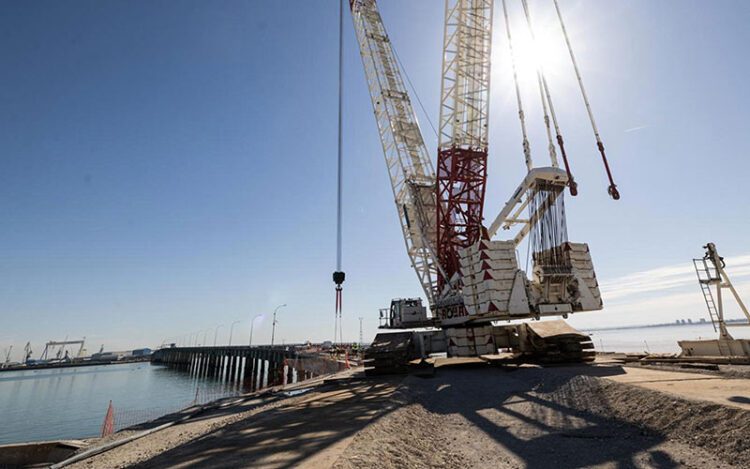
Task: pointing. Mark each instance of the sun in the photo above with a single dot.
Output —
(539, 52)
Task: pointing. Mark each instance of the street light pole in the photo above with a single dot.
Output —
(252, 324)
(273, 330)
(216, 332)
(231, 331)
(361, 337)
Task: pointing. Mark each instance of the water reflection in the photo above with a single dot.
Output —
(71, 403)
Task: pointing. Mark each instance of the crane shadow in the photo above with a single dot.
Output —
(287, 435)
(509, 409)
(512, 409)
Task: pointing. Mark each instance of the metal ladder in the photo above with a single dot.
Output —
(706, 275)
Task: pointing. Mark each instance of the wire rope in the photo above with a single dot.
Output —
(338, 275)
(612, 186)
(414, 90)
(545, 107)
(521, 115)
(558, 134)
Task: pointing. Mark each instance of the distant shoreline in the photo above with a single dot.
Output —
(47, 366)
(668, 324)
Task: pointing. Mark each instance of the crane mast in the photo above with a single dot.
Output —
(464, 114)
(407, 159)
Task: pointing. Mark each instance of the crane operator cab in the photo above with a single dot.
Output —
(404, 313)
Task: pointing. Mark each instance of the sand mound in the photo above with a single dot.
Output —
(723, 431)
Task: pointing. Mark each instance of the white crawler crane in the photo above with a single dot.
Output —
(470, 279)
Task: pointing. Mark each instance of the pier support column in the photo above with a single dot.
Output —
(273, 370)
(263, 371)
(289, 372)
(230, 366)
(211, 365)
(248, 372)
(280, 375)
(238, 370)
(253, 370)
(233, 370)
(298, 365)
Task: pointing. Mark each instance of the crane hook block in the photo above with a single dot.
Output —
(338, 277)
(573, 186)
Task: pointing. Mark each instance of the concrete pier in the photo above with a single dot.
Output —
(251, 367)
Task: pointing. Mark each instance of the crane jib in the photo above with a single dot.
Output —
(409, 165)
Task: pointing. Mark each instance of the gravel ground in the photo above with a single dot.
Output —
(723, 431)
(566, 417)
(559, 417)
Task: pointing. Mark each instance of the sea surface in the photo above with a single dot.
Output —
(71, 403)
(657, 339)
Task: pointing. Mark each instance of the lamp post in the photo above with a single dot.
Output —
(273, 329)
(361, 337)
(216, 332)
(231, 330)
(252, 323)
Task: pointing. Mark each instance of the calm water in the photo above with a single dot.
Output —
(71, 402)
(661, 339)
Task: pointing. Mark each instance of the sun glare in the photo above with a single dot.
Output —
(543, 50)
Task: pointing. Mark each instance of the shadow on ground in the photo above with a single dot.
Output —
(513, 423)
(506, 406)
(285, 436)
(740, 399)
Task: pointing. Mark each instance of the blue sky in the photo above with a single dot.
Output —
(169, 166)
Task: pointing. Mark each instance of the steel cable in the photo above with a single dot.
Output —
(612, 186)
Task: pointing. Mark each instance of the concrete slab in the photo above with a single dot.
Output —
(725, 391)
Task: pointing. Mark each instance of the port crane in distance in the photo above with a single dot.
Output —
(7, 356)
(60, 345)
(27, 352)
(471, 280)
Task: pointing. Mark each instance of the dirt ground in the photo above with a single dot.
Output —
(470, 416)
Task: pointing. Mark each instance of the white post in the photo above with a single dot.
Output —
(252, 325)
(216, 332)
(273, 329)
(231, 331)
